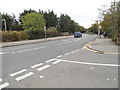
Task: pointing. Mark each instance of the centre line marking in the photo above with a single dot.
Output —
(56, 62)
(16, 73)
(36, 65)
(24, 76)
(44, 67)
(4, 85)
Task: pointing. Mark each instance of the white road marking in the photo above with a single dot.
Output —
(56, 62)
(59, 56)
(64, 43)
(24, 76)
(91, 68)
(73, 52)
(0, 80)
(2, 53)
(29, 49)
(50, 60)
(4, 85)
(77, 50)
(16, 73)
(36, 65)
(67, 53)
(41, 76)
(44, 67)
(108, 79)
(114, 79)
(87, 63)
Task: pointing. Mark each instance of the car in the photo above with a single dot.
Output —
(77, 34)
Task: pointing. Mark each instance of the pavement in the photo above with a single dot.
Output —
(103, 46)
(17, 43)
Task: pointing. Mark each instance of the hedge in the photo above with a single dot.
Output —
(9, 36)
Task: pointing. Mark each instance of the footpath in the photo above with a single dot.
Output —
(16, 43)
(103, 46)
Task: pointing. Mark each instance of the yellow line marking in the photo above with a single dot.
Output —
(90, 43)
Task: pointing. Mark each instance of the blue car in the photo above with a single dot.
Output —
(77, 34)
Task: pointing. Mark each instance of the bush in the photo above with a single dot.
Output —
(13, 35)
(35, 34)
(52, 32)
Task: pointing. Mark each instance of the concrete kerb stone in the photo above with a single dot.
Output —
(88, 47)
(32, 41)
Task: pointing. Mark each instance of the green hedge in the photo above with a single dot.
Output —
(9, 36)
(13, 35)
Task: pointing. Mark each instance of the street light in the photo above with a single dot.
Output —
(4, 23)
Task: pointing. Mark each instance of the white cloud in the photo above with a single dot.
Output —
(82, 11)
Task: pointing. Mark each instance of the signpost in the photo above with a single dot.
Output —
(45, 32)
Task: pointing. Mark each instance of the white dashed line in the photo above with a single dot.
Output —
(73, 52)
(16, 73)
(29, 49)
(41, 76)
(24, 76)
(50, 60)
(44, 67)
(67, 53)
(59, 56)
(2, 53)
(56, 62)
(36, 65)
(0, 80)
(4, 85)
(77, 50)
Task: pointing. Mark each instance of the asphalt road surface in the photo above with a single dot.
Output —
(58, 64)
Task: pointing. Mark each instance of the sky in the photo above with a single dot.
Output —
(84, 12)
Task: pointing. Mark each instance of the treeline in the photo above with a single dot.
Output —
(109, 21)
(33, 23)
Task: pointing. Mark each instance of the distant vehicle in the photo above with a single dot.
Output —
(77, 34)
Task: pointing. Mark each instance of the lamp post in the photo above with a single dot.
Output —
(4, 23)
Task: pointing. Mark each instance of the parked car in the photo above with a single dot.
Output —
(77, 34)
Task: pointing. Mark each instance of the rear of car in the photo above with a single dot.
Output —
(77, 34)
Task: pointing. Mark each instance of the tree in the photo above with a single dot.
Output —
(33, 21)
(65, 23)
(50, 19)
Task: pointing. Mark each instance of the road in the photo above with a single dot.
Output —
(58, 64)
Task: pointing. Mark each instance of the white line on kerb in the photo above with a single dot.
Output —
(87, 63)
(0, 80)
(36, 65)
(56, 62)
(16, 73)
(44, 67)
(24, 76)
(4, 85)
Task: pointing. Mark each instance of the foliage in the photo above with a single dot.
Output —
(14, 35)
(50, 19)
(33, 21)
(52, 32)
(111, 20)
